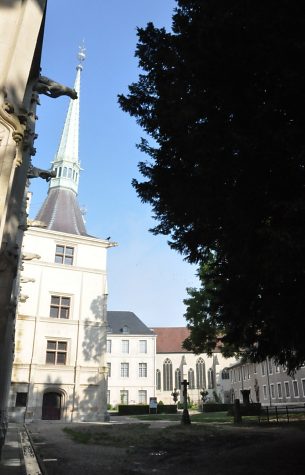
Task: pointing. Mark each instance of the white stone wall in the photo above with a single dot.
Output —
(133, 384)
(82, 380)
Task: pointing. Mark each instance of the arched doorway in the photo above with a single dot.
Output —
(51, 406)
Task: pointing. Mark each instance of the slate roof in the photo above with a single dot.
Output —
(117, 320)
(170, 339)
(60, 212)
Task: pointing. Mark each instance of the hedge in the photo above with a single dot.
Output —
(134, 409)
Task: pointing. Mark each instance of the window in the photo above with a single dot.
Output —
(108, 396)
(265, 391)
(124, 396)
(56, 352)
(277, 368)
(69, 172)
(142, 370)
(303, 386)
(279, 390)
(248, 371)
(59, 172)
(158, 380)
(263, 368)
(239, 374)
(109, 346)
(64, 173)
(21, 399)
(124, 370)
(243, 369)
(125, 329)
(177, 378)
(295, 388)
(64, 254)
(125, 346)
(142, 396)
(60, 306)
(200, 374)
(225, 374)
(109, 369)
(269, 366)
(211, 379)
(287, 388)
(167, 375)
(143, 346)
(191, 378)
(254, 368)
(272, 391)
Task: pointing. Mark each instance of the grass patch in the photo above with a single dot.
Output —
(204, 417)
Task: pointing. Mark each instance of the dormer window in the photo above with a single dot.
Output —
(64, 254)
(125, 329)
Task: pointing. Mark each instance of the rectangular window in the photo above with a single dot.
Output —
(277, 368)
(295, 388)
(303, 386)
(279, 390)
(56, 352)
(64, 255)
(108, 396)
(124, 370)
(21, 399)
(125, 346)
(124, 396)
(248, 371)
(254, 368)
(263, 368)
(109, 346)
(142, 396)
(60, 306)
(109, 369)
(287, 389)
(143, 346)
(272, 391)
(265, 391)
(142, 370)
(270, 366)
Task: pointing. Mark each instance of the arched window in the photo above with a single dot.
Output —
(158, 380)
(69, 172)
(64, 172)
(177, 379)
(167, 375)
(73, 174)
(59, 172)
(200, 374)
(191, 378)
(211, 379)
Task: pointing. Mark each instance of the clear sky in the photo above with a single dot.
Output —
(144, 275)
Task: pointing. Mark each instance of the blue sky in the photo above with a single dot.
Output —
(144, 275)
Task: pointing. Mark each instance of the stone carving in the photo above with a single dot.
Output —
(29, 256)
(25, 280)
(34, 223)
(23, 298)
(52, 88)
(34, 172)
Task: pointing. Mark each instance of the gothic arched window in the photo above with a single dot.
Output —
(177, 378)
(167, 375)
(191, 378)
(200, 374)
(211, 379)
(158, 380)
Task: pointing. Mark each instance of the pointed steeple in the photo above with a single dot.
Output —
(66, 162)
(61, 211)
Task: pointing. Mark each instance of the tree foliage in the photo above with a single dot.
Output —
(222, 98)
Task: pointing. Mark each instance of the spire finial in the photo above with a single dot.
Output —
(81, 55)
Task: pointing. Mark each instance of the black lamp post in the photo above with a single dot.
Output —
(185, 415)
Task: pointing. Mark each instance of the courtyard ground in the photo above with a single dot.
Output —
(131, 446)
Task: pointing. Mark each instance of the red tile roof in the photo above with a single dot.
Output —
(169, 340)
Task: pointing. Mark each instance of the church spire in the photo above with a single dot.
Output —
(66, 163)
(60, 210)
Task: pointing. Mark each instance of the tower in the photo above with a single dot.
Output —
(59, 369)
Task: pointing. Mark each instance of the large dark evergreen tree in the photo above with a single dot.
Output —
(223, 98)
